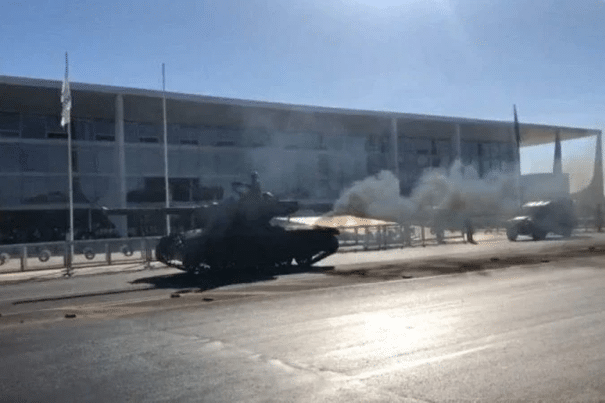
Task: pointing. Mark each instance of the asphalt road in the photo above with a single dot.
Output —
(520, 324)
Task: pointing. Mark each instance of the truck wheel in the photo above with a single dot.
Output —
(511, 234)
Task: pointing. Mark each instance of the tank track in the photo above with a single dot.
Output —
(247, 252)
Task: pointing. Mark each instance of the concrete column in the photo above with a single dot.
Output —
(598, 168)
(394, 148)
(120, 221)
(517, 141)
(557, 167)
(456, 143)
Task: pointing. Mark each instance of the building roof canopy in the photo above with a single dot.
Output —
(96, 101)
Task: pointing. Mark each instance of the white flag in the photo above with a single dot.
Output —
(65, 99)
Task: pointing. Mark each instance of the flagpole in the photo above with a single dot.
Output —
(166, 184)
(518, 155)
(66, 120)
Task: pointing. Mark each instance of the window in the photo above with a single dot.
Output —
(149, 133)
(35, 190)
(256, 138)
(53, 128)
(10, 155)
(9, 124)
(9, 121)
(186, 135)
(96, 188)
(9, 133)
(56, 158)
(140, 133)
(57, 135)
(228, 162)
(144, 161)
(131, 134)
(183, 162)
(323, 166)
(82, 129)
(372, 143)
(10, 190)
(334, 142)
(149, 140)
(33, 158)
(226, 137)
(34, 127)
(470, 153)
(106, 160)
(296, 141)
(104, 130)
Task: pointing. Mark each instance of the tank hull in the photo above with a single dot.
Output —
(256, 249)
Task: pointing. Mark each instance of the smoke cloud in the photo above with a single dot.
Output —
(447, 195)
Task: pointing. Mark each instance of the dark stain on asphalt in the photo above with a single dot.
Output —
(456, 265)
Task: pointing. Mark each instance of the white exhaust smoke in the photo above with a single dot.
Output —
(449, 196)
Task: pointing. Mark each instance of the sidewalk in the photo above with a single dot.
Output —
(55, 274)
(489, 246)
(347, 257)
(19, 290)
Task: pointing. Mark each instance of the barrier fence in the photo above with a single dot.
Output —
(100, 252)
(80, 254)
(372, 237)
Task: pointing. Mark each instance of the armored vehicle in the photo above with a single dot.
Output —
(240, 236)
(539, 218)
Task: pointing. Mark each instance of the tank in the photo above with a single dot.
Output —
(240, 236)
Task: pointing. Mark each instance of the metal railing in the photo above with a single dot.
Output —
(376, 237)
(86, 253)
(101, 252)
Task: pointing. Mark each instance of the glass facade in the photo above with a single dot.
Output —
(33, 155)
(419, 154)
(10, 124)
(33, 168)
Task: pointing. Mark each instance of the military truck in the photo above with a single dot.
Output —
(539, 218)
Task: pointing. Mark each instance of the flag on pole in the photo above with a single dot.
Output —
(65, 98)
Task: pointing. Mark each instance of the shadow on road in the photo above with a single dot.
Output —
(211, 280)
(528, 238)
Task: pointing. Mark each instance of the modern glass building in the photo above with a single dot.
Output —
(301, 152)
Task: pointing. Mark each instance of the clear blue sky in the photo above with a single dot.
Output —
(447, 57)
